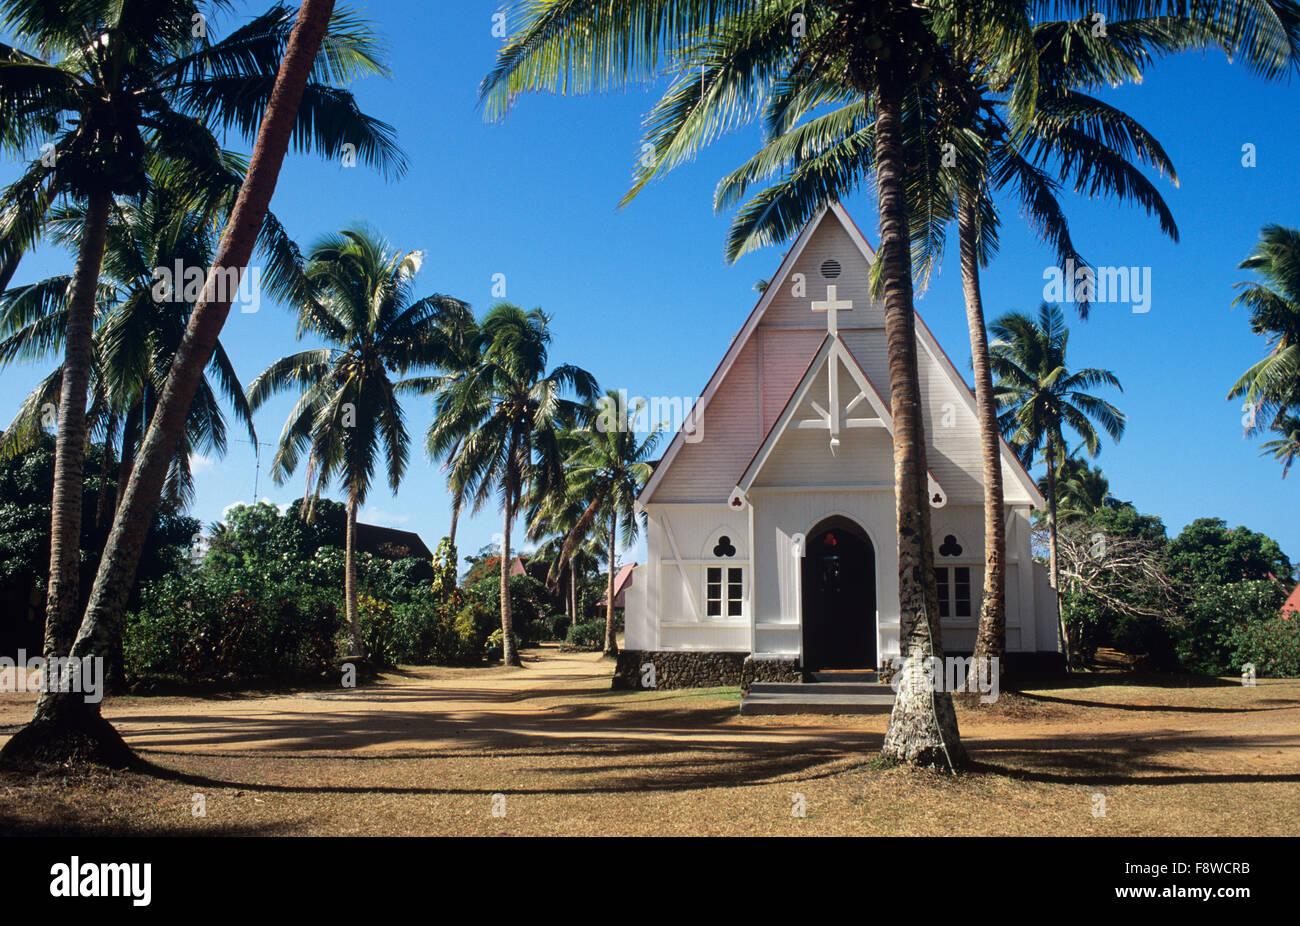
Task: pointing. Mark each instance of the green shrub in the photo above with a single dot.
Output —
(528, 602)
(1272, 646)
(429, 632)
(494, 644)
(475, 622)
(198, 627)
(559, 626)
(378, 631)
(590, 635)
(1205, 641)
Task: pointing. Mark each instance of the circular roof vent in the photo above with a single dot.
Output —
(830, 269)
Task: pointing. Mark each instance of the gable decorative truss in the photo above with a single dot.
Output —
(804, 411)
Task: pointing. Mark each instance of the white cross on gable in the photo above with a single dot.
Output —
(832, 306)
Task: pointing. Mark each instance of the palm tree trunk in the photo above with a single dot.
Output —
(611, 644)
(1053, 570)
(509, 654)
(127, 459)
(62, 600)
(64, 725)
(455, 518)
(575, 537)
(107, 460)
(991, 637)
(573, 592)
(351, 605)
(923, 725)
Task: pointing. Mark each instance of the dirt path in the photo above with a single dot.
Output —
(425, 751)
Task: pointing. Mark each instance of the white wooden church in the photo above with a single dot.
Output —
(771, 532)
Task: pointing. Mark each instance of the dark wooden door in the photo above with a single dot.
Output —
(839, 601)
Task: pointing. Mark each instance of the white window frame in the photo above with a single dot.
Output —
(726, 597)
(950, 600)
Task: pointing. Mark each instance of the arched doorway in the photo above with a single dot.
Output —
(839, 597)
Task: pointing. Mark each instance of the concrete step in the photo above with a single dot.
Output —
(757, 704)
(822, 688)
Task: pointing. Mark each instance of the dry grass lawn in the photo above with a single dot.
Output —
(426, 750)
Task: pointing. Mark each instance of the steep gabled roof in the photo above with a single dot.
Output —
(925, 337)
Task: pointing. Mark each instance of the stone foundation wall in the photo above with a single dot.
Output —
(699, 669)
(769, 670)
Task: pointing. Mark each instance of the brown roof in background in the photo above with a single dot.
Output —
(390, 543)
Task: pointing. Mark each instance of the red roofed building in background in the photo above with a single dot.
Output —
(1292, 603)
(622, 579)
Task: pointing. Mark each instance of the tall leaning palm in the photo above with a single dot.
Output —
(138, 332)
(348, 418)
(610, 465)
(499, 424)
(107, 90)
(64, 727)
(1271, 387)
(1040, 398)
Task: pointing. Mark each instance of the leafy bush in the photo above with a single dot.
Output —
(199, 627)
(430, 632)
(590, 635)
(1272, 646)
(475, 623)
(559, 626)
(494, 644)
(1205, 641)
(378, 631)
(528, 602)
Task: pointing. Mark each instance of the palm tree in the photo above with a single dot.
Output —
(135, 339)
(1082, 139)
(64, 727)
(610, 465)
(1284, 448)
(122, 88)
(1039, 398)
(362, 305)
(138, 330)
(1082, 489)
(498, 423)
(460, 333)
(1271, 387)
(551, 520)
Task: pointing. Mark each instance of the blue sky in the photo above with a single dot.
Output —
(643, 298)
